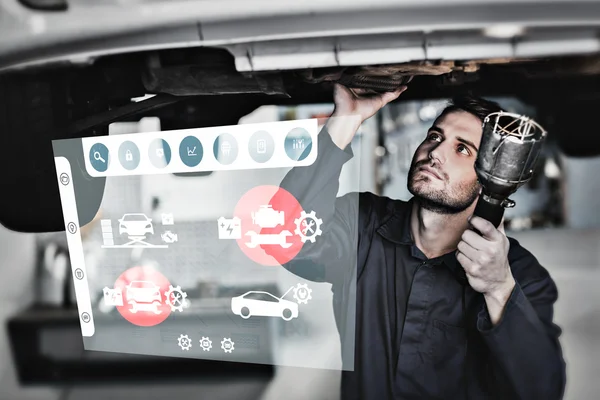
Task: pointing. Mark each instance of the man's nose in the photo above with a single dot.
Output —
(437, 154)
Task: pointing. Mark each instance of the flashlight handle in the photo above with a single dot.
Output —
(487, 210)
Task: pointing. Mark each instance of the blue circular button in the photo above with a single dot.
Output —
(190, 151)
(225, 148)
(129, 155)
(159, 153)
(298, 144)
(99, 157)
(261, 146)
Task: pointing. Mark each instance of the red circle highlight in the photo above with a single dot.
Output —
(267, 214)
(143, 290)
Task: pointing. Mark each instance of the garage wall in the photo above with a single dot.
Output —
(582, 191)
(17, 266)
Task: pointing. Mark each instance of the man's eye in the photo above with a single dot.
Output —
(463, 149)
(434, 136)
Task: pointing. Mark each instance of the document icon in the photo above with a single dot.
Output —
(261, 146)
(113, 297)
(230, 228)
(167, 219)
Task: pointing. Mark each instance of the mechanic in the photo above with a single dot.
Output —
(423, 328)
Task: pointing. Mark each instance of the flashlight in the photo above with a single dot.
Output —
(507, 155)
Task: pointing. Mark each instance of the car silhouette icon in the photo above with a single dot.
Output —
(143, 296)
(135, 225)
(264, 304)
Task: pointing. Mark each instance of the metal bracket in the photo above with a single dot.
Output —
(508, 203)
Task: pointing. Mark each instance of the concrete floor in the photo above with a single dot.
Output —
(573, 259)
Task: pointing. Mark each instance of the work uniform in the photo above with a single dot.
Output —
(412, 327)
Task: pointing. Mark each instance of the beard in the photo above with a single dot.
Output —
(451, 201)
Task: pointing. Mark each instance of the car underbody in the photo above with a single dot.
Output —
(211, 73)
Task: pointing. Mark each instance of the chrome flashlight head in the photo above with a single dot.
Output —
(506, 160)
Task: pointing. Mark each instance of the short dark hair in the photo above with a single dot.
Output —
(477, 106)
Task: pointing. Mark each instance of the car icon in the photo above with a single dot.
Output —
(135, 225)
(143, 292)
(263, 304)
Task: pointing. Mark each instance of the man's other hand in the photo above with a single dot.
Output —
(360, 101)
(352, 108)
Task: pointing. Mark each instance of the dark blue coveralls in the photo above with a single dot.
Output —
(417, 330)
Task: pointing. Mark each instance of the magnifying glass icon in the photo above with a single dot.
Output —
(98, 157)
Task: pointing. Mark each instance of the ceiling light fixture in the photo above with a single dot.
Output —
(504, 31)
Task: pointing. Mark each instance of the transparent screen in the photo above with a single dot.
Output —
(231, 243)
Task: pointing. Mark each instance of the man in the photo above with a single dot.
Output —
(423, 328)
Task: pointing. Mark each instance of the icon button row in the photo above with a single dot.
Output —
(261, 147)
(185, 343)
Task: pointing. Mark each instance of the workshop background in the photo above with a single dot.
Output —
(555, 218)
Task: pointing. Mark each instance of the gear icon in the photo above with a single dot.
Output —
(175, 298)
(206, 343)
(302, 293)
(184, 342)
(227, 345)
(308, 226)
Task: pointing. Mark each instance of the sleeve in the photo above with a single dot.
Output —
(525, 347)
(315, 187)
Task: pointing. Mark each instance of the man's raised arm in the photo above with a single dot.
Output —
(316, 187)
